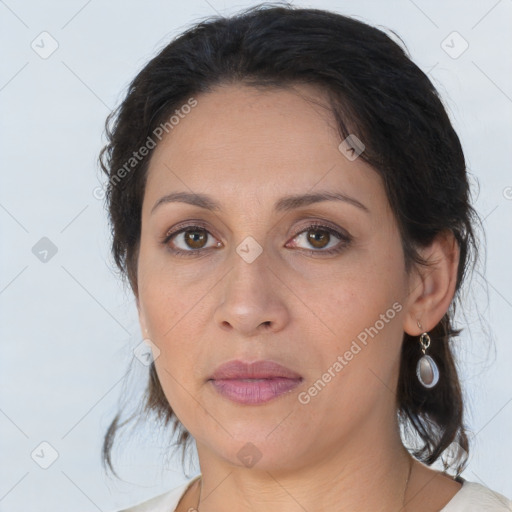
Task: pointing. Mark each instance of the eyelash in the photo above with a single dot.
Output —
(345, 239)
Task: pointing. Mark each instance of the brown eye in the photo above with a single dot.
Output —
(189, 239)
(195, 238)
(318, 238)
(321, 239)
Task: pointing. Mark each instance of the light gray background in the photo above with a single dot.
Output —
(69, 329)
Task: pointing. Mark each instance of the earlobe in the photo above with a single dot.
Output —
(434, 286)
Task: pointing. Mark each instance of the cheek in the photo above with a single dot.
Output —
(176, 336)
(355, 297)
(358, 355)
(166, 300)
(360, 311)
(169, 321)
(174, 304)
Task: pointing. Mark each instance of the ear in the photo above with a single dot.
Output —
(431, 289)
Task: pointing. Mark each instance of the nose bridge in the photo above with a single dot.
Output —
(248, 277)
(249, 258)
(247, 300)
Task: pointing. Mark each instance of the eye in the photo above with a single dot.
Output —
(324, 239)
(192, 240)
(188, 239)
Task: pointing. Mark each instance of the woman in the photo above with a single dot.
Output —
(290, 205)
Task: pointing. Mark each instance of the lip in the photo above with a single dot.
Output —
(262, 369)
(253, 383)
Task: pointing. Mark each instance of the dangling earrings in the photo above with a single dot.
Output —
(426, 369)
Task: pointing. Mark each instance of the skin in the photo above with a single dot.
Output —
(247, 148)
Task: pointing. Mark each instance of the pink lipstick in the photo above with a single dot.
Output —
(253, 383)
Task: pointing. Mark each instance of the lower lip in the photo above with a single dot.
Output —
(256, 391)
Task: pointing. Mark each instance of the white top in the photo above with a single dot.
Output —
(471, 497)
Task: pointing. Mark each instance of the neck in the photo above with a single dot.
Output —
(359, 477)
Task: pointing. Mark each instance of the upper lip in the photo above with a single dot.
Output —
(262, 369)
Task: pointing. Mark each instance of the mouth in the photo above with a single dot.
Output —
(253, 383)
(262, 369)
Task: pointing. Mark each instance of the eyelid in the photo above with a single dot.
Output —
(344, 238)
(321, 223)
(184, 225)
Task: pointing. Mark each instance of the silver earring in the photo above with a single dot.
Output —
(426, 369)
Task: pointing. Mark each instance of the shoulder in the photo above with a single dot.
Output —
(165, 502)
(473, 497)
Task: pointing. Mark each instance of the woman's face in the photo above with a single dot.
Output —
(328, 307)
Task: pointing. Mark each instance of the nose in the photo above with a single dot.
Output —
(252, 298)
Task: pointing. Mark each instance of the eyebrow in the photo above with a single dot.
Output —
(284, 204)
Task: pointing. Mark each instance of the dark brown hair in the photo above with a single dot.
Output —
(377, 93)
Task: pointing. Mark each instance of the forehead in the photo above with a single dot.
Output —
(240, 139)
